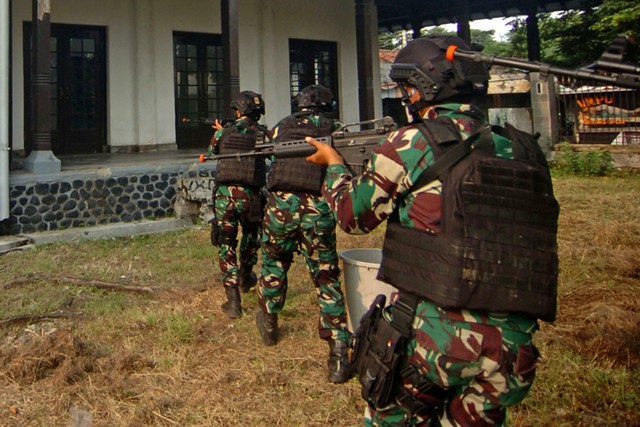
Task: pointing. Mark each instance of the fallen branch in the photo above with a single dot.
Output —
(79, 281)
(19, 282)
(37, 317)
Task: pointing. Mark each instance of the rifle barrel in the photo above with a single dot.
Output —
(632, 81)
(282, 150)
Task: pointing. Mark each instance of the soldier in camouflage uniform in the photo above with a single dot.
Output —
(466, 365)
(298, 219)
(238, 199)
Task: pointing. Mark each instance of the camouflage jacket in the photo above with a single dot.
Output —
(365, 201)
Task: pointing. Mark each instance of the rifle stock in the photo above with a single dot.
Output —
(355, 147)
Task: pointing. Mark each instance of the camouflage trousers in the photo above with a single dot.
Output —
(235, 206)
(302, 223)
(484, 369)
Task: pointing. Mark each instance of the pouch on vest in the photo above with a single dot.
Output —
(297, 174)
(247, 171)
(377, 356)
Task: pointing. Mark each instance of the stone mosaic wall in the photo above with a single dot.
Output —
(78, 201)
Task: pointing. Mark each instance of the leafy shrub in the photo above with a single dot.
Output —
(589, 163)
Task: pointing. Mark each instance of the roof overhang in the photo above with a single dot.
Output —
(394, 15)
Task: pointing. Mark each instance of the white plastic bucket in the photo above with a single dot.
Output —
(360, 284)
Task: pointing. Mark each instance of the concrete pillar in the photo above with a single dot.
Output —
(269, 62)
(367, 47)
(230, 51)
(533, 38)
(5, 24)
(41, 160)
(544, 110)
(464, 29)
(145, 79)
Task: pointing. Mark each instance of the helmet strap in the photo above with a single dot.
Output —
(413, 107)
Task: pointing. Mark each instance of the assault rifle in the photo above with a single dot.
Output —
(204, 121)
(354, 147)
(618, 73)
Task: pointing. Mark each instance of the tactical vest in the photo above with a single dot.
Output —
(247, 171)
(497, 248)
(297, 174)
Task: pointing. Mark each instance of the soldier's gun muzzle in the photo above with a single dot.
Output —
(620, 73)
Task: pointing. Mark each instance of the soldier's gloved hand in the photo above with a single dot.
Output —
(217, 125)
(324, 155)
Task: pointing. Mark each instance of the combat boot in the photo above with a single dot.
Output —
(232, 308)
(338, 362)
(268, 327)
(247, 279)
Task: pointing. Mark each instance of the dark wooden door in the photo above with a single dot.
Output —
(198, 87)
(78, 88)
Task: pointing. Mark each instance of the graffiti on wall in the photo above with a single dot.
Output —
(196, 188)
(599, 110)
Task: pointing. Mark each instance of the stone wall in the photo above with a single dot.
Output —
(66, 200)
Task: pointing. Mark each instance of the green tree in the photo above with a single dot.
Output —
(484, 40)
(563, 35)
(393, 40)
(615, 17)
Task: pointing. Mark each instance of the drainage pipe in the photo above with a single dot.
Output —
(4, 108)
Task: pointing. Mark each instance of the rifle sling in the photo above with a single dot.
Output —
(404, 310)
(445, 162)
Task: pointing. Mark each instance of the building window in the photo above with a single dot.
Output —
(313, 62)
(198, 86)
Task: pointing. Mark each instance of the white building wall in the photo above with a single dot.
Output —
(140, 95)
(117, 17)
(197, 16)
(281, 20)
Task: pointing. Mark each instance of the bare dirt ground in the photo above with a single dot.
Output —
(72, 354)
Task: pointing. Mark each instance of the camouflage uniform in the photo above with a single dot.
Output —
(485, 361)
(235, 206)
(302, 222)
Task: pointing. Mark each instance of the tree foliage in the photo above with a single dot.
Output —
(578, 37)
(570, 39)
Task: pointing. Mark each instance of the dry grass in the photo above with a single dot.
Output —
(171, 358)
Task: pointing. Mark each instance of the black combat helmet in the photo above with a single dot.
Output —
(422, 63)
(249, 104)
(315, 97)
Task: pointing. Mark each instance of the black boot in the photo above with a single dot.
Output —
(232, 307)
(247, 279)
(338, 362)
(268, 327)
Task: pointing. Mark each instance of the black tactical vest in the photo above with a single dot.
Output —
(497, 248)
(247, 171)
(296, 174)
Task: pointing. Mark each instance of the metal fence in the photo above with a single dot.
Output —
(596, 114)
